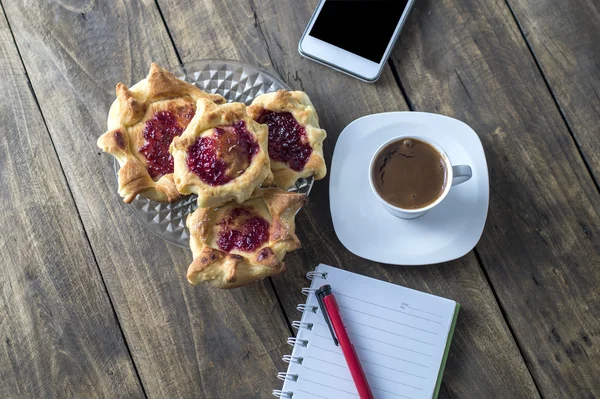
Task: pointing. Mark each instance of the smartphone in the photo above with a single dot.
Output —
(354, 36)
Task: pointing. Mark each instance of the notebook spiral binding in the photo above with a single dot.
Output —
(312, 275)
(293, 341)
(287, 376)
(292, 359)
(302, 307)
(298, 325)
(296, 342)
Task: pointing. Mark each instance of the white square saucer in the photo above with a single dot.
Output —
(365, 228)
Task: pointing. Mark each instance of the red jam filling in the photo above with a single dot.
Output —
(287, 139)
(242, 230)
(159, 133)
(223, 156)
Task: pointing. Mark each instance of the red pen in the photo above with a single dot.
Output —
(333, 319)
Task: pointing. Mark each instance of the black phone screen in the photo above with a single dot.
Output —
(362, 27)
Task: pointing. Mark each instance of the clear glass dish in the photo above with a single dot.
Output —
(235, 81)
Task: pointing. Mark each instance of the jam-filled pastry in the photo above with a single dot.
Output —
(237, 244)
(142, 122)
(222, 155)
(295, 138)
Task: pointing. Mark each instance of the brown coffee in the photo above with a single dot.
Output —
(409, 174)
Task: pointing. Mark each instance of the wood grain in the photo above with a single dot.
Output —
(484, 361)
(565, 38)
(59, 336)
(541, 247)
(185, 341)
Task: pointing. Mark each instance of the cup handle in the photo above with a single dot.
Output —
(461, 173)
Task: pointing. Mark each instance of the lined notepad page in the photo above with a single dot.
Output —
(399, 335)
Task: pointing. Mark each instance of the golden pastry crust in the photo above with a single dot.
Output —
(134, 107)
(209, 122)
(234, 268)
(299, 105)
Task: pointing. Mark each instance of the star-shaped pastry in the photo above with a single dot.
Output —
(142, 123)
(237, 244)
(222, 155)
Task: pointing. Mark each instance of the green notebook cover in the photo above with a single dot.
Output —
(438, 384)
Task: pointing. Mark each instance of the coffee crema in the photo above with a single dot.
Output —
(409, 174)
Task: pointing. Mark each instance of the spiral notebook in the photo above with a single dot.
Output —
(400, 335)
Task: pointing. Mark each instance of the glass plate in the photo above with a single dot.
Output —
(235, 81)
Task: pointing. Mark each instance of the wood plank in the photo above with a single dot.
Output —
(541, 247)
(266, 33)
(59, 336)
(565, 39)
(185, 341)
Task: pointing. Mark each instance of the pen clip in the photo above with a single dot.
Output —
(321, 293)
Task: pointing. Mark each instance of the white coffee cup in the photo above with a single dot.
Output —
(456, 174)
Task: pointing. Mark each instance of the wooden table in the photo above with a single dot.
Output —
(93, 305)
